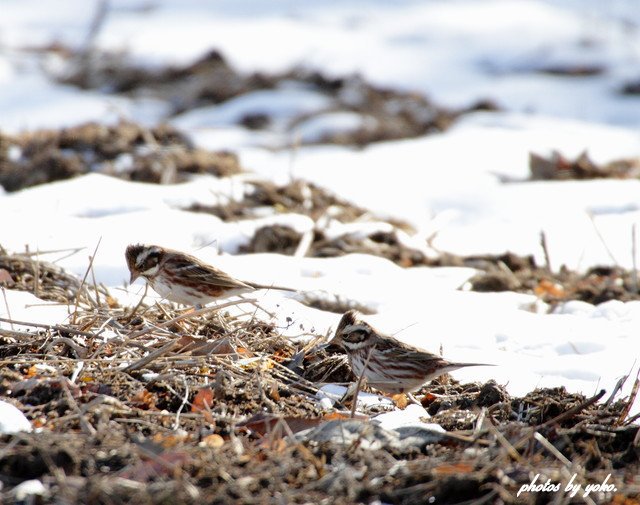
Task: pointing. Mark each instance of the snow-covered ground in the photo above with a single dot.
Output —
(447, 184)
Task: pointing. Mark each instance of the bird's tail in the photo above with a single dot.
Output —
(462, 365)
(267, 286)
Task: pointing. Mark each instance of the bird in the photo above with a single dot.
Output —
(387, 364)
(182, 278)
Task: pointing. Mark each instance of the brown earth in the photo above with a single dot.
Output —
(172, 406)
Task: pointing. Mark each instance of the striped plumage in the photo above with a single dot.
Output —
(182, 278)
(393, 367)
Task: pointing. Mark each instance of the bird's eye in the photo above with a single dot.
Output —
(355, 336)
(151, 260)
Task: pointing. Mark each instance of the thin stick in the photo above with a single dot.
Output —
(192, 361)
(84, 424)
(76, 371)
(634, 258)
(91, 258)
(190, 315)
(257, 306)
(185, 399)
(480, 422)
(36, 280)
(572, 411)
(511, 450)
(135, 309)
(56, 327)
(97, 22)
(108, 322)
(545, 250)
(104, 344)
(151, 356)
(632, 419)
(18, 335)
(304, 244)
(81, 352)
(53, 251)
(550, 447)
(95, 287)
(406, 328)
(604, 243)
(359, 383)
(46, 304)
(619, 385)
(562, 458)
(6, 304)
(143, 422)
(295, 145)
(631, 400)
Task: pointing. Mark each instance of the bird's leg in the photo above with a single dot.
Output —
(362, 380)
(349, 394)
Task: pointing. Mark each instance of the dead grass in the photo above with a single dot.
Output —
(158, 405)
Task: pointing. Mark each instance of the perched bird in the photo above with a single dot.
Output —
(392, 367)
(182, 278)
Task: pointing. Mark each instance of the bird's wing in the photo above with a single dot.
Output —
(400, 351)
(209, 276)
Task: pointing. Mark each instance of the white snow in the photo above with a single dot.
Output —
(280, 105)
(450, 186)
(29, 488)
(22, 306)
(412, 415)
(333, 393)
(317, 128)
(12, 420)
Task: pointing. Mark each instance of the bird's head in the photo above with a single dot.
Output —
(352, 332)
(143, 260)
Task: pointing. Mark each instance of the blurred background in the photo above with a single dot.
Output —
(283, 72)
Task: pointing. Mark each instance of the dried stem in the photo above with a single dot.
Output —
(84, 279)
(359, 383)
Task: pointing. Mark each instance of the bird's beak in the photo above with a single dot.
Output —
(134, 276)
(317, 348)
(320, 347)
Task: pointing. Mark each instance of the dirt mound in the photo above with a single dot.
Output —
(558, 167)
(373, 113)
(510, 272)
(126, 150)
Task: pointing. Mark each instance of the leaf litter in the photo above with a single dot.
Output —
(225, 411)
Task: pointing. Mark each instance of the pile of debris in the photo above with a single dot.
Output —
(152, 403)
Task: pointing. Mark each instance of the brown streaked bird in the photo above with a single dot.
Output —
(393, 367)
(182, 278)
